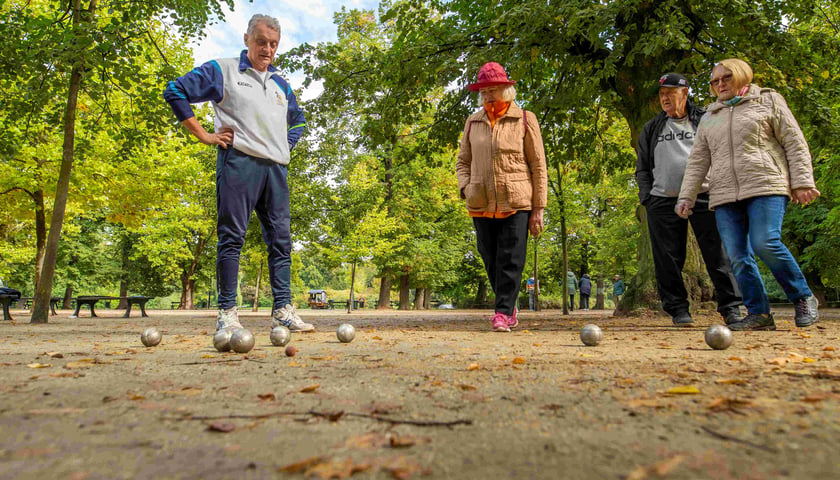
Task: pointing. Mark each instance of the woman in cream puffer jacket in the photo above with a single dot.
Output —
(757, 159)
(502, 177)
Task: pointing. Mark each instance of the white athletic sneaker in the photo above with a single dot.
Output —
(288, 317)
(228, 318)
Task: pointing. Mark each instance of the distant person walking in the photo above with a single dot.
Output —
(571, 288)
(257, 123)
(532, 286)
(757, 159)
(502, 176)
(618, 288)
(585, 290)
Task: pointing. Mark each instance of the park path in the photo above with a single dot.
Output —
(418, 394)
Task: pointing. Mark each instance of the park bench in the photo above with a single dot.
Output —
(6, 300)
(91, 300)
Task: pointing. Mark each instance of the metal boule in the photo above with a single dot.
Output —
(151, 337)
(591, 335)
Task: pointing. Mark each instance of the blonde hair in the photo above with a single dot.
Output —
(508, 94)
(742, 73)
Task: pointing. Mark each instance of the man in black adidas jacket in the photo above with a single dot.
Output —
(662, 153)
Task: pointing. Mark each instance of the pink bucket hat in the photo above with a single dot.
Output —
(490, 74)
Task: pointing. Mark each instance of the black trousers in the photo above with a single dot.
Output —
(503, 245)
(668, 235)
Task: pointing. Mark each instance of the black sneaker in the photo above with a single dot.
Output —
(755, 321)
(682, 319)
(806, 311)
(733, 315)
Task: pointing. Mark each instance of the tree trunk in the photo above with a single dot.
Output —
(256, 305)
(352, 287)
(123, 303)
(68, 297)
(418, 298)
(187, 287)
(481, 291)
(405, 293)
(599, 293)
(427, 293)
(641, 289)
(43, 291)
(40, 233)
(565, 288)
(384, 292)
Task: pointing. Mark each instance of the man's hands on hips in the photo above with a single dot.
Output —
(222, 138)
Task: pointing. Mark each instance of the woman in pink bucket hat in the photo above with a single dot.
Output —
(502, 176)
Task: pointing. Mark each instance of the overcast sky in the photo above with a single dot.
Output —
(301, 21)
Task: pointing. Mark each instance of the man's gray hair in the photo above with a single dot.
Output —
(269, 22)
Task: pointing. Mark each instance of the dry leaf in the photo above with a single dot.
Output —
(267, 397)
(55, 411)
(780, 361)
(376, 337)
(473, 366)
(666, 466)
(54, 354)
(310, 388)
(736, 359)
(336, 469)
(367, 441)
(518, 361)
(731, 381)
(223, 427)
(828, 349)
(300, 466)
(638, 473)
(467, 388)
(39, 365)
(402, 468)
(827, 374)
(683, 390)
(404, 441)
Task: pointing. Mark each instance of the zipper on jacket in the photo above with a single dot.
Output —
(732, 154)
(493, 149)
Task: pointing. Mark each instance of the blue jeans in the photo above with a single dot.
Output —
(244, 184)
(752, 226)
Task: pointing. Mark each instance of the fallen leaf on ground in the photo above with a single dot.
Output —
(819, 397)
(223, 427)
(466, 388)
(367, 440)
(402, 468)
(339, 469)
(683, 390)
(267, 397)
(731, 381)
(518, 361)
(827, 374)
(39, 365)
(54, 354)
(310, 388)
(300, 466)
(473, 366)
(403, 441)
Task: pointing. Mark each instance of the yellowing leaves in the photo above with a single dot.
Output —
(39, 365)
(683, 390)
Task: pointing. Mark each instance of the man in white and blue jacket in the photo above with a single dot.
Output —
(257, 123)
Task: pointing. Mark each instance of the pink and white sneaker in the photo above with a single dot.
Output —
(512, 321)
(501, 322)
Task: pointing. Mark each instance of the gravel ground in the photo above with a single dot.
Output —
(431, 394)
